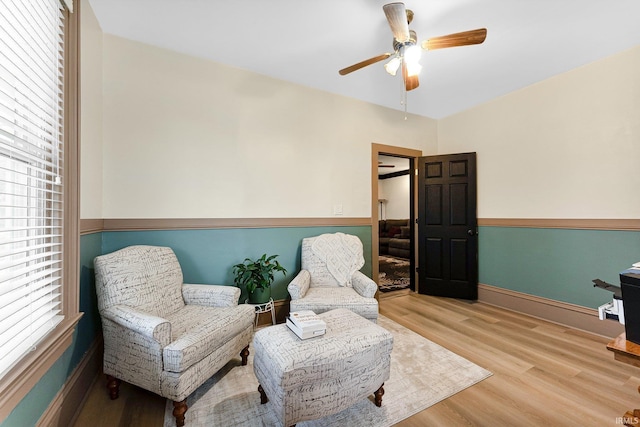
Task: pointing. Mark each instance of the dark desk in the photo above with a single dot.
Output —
(627, 352)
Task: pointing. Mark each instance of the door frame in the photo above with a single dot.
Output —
(408, 153)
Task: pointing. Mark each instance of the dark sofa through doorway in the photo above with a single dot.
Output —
(394, 238)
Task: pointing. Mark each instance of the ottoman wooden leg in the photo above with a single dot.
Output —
(244, 354)
(263, 397)
(378, 395)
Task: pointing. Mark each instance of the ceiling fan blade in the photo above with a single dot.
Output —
(464, 38)
(397, 17)
(410, 82)
(363, 64)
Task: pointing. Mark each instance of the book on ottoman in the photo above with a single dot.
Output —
(306, 324)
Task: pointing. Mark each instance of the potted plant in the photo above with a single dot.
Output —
(257, 276)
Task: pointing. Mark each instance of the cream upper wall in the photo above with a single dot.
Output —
(567, 147)
(177, 136)
(90, 113)
(189, 138)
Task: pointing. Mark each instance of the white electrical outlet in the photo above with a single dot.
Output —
(337, 210)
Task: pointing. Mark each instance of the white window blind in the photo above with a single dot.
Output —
(31, 170)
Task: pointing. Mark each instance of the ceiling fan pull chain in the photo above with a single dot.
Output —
(405, 104)
(403, 100)
(403, 89)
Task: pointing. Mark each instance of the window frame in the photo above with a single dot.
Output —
(20, 379)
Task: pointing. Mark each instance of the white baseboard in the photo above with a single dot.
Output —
(563, 313)
(66, 405)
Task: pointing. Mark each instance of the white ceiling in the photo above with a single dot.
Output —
(307, 42)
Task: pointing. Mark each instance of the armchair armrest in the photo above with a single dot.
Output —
(210, 295)
(299, 285)
(363, 285)
(145, 324)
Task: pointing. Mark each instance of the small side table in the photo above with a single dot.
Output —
(265, 307)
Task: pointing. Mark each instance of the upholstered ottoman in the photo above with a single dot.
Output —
(313, 378)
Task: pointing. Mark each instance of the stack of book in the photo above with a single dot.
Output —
(306, 324)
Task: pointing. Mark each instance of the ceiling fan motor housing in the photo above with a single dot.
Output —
(413, 38)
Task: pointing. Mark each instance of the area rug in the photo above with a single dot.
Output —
(422, 374)
(393, 273)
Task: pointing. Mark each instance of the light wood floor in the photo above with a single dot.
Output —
(543, 374)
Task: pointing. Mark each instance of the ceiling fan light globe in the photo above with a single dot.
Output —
(413, 69)
(392, 66)
(412, 54)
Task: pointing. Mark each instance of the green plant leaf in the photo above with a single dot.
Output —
(257, 274)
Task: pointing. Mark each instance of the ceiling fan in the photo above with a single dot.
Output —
(382, 165)
(406, 51)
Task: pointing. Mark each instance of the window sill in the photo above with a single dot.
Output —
(15, 385)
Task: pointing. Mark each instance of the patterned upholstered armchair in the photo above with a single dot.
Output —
(160, 334)
(330, 277)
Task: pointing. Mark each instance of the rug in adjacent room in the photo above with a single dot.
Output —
(422, 373)
(393, 273)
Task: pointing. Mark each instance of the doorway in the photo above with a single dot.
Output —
(394, 236)
(404, 245)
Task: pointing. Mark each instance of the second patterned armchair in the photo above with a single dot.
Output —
(330, 277)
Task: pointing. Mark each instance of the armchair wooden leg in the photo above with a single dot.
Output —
(244, 354)
(113, 385)
(263, 396)
(179, 409)
(378, 395)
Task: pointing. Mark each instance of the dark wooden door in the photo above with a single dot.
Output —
(447, 226)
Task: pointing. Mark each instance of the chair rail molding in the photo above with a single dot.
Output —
(565, 223)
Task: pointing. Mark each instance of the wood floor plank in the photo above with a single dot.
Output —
(589, 392)
(560, 350)
(451, 338)
(544, 374)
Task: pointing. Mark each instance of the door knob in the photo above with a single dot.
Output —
(470, 232)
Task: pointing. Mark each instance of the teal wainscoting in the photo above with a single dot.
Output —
(207, 256)
(89, 327)
(556, 263)
(31, 408)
